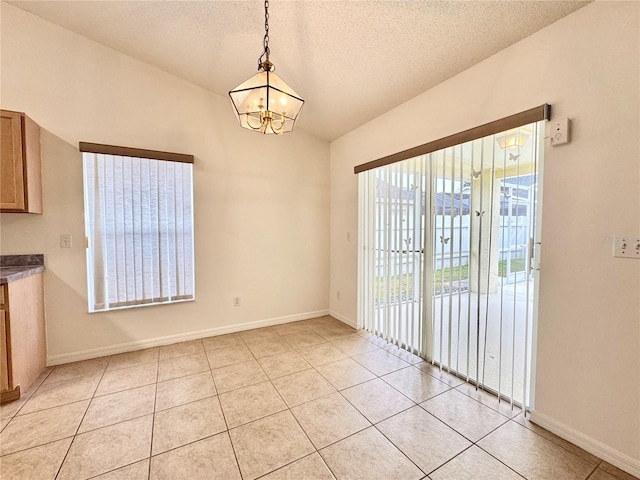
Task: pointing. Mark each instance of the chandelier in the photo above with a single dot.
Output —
(512, 140)
(265, 103)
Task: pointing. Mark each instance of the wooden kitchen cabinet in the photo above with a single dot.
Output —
(20, 168)
(22, 336)
(4, 357)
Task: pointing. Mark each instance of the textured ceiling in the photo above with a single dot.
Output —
(350, 60)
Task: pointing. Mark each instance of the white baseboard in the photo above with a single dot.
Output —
(343, 319)
(181, 337)
(591, 445)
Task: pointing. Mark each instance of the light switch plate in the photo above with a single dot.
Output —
(626, 247)
(559, 131)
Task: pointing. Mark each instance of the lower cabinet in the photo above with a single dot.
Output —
(23, 348)
(4, 368)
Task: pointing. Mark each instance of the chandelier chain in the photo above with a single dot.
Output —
(265, 42)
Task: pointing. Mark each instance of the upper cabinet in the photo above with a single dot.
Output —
(21, 189)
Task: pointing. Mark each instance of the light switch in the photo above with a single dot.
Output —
(626, 247)
(559, 131)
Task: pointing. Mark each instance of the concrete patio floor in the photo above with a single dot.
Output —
(502, 313)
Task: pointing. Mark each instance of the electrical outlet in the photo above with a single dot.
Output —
(65, 240)
(338, 294)
(626, 247)
(236, 301)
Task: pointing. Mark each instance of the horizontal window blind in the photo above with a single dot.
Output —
(139, 225)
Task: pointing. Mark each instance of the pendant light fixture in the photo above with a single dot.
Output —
(512, 140)
(264, 103)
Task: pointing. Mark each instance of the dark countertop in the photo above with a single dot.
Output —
(15, 267)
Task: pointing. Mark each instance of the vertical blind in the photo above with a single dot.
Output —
(139, 226)
(446, 267)
(393, 274)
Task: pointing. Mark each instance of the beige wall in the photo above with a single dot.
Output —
(261, 203)
(587, 66)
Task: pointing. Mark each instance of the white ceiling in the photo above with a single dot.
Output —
(350, 60)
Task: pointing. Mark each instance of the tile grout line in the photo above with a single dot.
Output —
(332, 443)
(116, 423)
(488, 406)
(289, 410)
(42, 410)
(592, 472)
(55, 406)
(33, 393)
(558, 444)
(36, 446)
(483, 437)
(506, 419)
(64, 459)
(153, 420)
(453, 429)
(496, 458)
(508, 466)
(29, 397)
(371, 424)
(477, 446)
(392, 386)
(224, 417)
(475, 443)
(395, 389)
(294, 461)
(114, 469)
(217, 394)
(399, 449)
(420, 406)
(136, 363)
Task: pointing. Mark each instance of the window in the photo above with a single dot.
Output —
(139, 226)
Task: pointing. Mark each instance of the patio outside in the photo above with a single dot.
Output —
(473, 315)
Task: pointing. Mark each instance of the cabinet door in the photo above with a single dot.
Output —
(12, 193)
(4, 354)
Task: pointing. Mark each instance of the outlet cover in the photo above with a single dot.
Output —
(65, 240)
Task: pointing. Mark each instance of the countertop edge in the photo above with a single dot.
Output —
(11, 274)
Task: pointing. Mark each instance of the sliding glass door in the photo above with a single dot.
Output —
(447, 267)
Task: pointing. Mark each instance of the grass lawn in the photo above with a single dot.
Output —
(400, 286)
(517, 265)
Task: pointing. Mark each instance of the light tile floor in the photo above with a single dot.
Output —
(308, 400)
